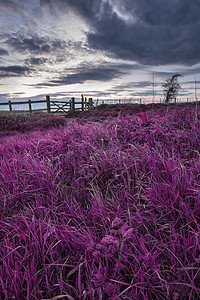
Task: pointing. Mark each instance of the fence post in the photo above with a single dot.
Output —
(10, 106)
(82, 102)
(140, 100)
(119, 101)
(73, 104)
(90, 102)
(30, 109)
(48, 104)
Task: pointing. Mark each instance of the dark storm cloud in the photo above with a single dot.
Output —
(162, 33)
(11, 71)
(88, 72)
(82, 76)
(36, 60)
(151, 32)
(96, 74)
(8, 4)
(36, 44)
(3, 52)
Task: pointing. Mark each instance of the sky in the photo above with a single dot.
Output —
(105, 49)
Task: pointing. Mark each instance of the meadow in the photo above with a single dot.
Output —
(102, 204)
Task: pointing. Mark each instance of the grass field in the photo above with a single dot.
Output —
(102, 204)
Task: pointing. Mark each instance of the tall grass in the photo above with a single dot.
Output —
(101, 208)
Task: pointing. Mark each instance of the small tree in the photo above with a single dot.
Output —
(171, 87)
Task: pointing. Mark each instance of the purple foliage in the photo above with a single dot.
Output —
(12, 123)
(101, 208)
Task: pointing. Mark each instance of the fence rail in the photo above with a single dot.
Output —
(52, 106)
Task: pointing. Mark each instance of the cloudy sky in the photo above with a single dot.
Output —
(101, 48)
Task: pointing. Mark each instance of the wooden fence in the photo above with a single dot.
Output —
(57, 106)
(52, 106)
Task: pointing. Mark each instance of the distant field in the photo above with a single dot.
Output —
(101, 204)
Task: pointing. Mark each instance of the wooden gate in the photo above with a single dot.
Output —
(52, 106)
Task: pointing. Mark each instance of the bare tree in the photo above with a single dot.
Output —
(171, 88)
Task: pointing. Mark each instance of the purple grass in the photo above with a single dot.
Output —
(104, 205)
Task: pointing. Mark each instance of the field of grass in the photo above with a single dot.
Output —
(103, 204)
